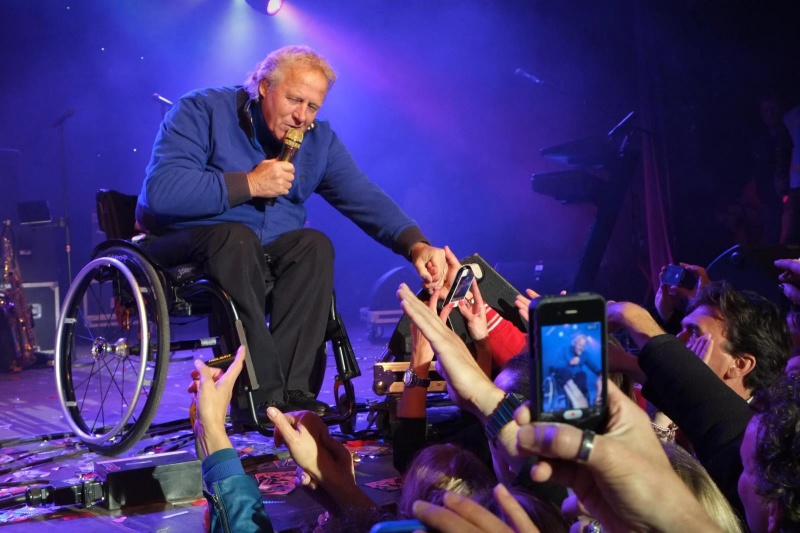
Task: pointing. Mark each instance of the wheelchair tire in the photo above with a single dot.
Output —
(110, 364)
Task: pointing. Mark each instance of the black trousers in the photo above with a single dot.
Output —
(290, 279)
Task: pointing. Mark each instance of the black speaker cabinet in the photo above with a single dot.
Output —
(39, 252)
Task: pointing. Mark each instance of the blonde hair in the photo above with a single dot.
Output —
(697, 480)
(442, 467)
(273, 67)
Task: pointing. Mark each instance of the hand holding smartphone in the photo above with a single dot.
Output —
(458, 290)
(676, 275)
(569, 360)
(460, 287)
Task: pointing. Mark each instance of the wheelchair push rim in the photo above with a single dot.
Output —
(107, 358)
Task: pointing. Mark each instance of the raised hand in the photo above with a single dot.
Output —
(212, 389)
(625, 481)
(702, 346)
(468, 385)
(474, 314)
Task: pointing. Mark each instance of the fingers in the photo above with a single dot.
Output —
(702, 346)
(560, 471)
(284, 427)
(204, 372)
(453, 264)
(791, 266)
(234, 369)
(532, 294)
(515, 514)
(702, 275)
(791, 292)
(572, 508)
(476, 293)
(303, 479)
(460, 515)
(523, 305)
(433, 301)
(422, 270)
(523, 415)
(441, 519)
(558, 441)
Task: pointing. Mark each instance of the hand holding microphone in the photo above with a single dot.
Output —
(273, 177)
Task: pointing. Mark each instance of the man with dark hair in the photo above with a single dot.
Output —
(770, 482)
(734, 333)
(749, 339)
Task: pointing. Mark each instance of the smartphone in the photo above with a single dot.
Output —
(680, 276)
(461, 284)
(399, 526)
(569, 360)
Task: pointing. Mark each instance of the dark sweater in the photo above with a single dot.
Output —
(711, 415)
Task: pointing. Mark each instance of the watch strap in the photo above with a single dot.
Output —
(503, 415)
(415, 380)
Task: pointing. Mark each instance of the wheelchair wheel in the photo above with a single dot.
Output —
(112, 350)
(549, 397)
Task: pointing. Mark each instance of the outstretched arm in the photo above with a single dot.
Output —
(229, 488)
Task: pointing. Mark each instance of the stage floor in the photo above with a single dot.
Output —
(36, 446)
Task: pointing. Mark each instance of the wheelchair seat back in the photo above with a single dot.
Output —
(116, 214)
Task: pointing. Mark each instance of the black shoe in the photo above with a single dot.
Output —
(242, 421)
(307, 402)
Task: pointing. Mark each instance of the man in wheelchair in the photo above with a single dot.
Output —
(219, 192)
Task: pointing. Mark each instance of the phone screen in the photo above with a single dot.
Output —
(461, 285)
(569, 369)
(572, 363)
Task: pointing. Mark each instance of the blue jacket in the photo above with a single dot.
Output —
(234, 501)
(207, 143)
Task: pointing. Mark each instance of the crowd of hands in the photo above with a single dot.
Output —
(627, 482)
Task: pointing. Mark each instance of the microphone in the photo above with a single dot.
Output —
(63, 117)
(160, 99)
(529, 77)
(291, 144)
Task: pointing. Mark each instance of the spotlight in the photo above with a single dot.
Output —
(270, 7)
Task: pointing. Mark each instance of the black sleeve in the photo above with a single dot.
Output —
(710, 414)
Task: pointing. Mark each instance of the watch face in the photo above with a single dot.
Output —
(409, 378)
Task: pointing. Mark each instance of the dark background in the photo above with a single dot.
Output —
(428, 103)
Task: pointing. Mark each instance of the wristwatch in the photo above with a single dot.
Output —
(503, 415)
(411, 379)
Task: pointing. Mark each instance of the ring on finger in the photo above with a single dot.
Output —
(587, 443)
(593, 527)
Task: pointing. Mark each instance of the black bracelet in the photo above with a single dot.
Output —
(503, 415)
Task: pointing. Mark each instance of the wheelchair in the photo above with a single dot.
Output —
(113, 339)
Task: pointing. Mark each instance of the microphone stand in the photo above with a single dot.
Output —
(65, 198)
